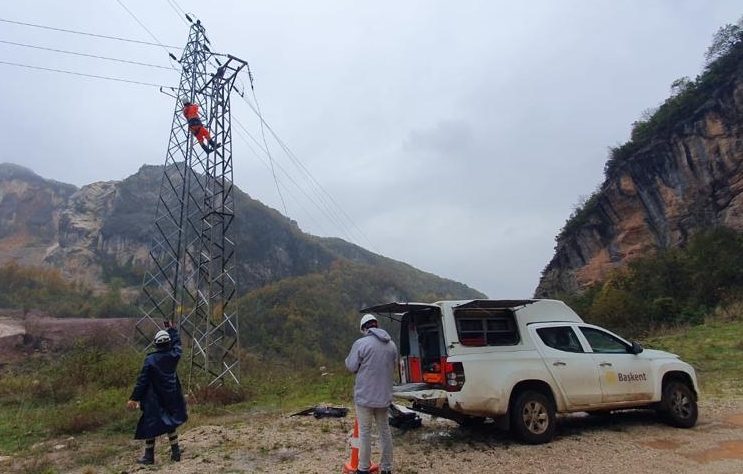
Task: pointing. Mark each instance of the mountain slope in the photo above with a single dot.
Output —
(103, 230)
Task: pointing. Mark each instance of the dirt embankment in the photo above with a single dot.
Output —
(22, 335)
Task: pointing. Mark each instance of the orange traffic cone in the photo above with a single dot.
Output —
(351, 466)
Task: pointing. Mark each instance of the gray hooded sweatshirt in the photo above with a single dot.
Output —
(373, 358)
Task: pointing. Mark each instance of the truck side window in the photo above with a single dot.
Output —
(561, 338)
(604, 343)
(477, 327)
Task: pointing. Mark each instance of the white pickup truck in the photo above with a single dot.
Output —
(520, 362)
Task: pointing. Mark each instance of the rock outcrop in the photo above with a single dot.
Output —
(673, 186)
(30, 211)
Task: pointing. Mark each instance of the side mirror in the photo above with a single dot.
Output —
(636, 348)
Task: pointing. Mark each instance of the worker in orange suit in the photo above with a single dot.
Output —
(191, 112)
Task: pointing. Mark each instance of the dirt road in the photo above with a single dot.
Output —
(633, 442)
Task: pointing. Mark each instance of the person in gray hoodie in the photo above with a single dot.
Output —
(373, 358)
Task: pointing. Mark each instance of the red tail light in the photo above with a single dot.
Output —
(454, 376)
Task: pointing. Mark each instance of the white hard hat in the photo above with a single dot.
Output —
(162, 337)
(365, 319)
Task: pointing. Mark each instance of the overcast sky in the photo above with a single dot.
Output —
(456, 136)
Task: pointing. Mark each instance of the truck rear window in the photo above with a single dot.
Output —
(483, 327)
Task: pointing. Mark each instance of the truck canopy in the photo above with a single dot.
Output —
(401, 308)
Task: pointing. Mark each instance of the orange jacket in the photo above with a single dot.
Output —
(191, 111)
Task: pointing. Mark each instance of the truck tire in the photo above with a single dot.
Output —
(678, 407)
(533, 417)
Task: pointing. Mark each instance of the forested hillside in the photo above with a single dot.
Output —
(314, 318)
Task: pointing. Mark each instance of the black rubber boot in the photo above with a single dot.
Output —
(148, 458)
(175, 452)
(206, 149)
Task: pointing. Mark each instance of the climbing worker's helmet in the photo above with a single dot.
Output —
(185, 102)
(366, 320)
(162, 338)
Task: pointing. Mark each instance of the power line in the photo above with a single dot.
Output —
(83, 54)
(87, 34)
(180, 14)
(288, 189)
(322, 209)
(270, 158)
(317, 201)
(322, 193)
(84, 75)
(145, 28)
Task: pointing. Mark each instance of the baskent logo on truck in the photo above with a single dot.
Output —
(630, 377)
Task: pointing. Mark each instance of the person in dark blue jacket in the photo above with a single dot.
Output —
(159, 396)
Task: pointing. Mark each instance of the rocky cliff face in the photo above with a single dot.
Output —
(30, 211)
(667, 190)
(104, 230)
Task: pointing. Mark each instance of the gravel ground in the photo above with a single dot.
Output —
(633, 441)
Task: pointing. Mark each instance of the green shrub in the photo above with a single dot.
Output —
(670, 287)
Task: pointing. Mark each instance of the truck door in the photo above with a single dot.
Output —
(410, 354)
(574, 370)
(624, 376)
(430, 346)
(422, 348)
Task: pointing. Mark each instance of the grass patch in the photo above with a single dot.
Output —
(282, 386)
(82, 391)
(88, 412)
(714, 349)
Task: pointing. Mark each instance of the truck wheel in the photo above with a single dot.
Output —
(533, 418)
(678, 406)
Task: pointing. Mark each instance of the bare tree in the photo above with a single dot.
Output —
(723, 41)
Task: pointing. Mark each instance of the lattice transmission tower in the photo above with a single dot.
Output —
(191, 279)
